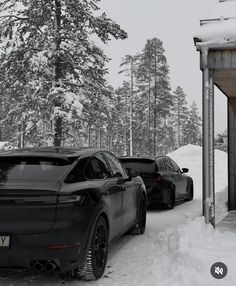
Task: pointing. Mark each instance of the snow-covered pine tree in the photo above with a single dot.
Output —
(153, 81)
(191, 127)
(140, 119)
(180, 109)
(122, 115)
(129, 67)
(97, 114)
(48, 54)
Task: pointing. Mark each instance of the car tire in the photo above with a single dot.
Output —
(140, 226)
(171, 199)
(96, 258)
(190, 192)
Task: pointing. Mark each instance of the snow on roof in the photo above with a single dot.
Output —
(219, 27)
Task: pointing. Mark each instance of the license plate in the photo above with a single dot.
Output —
(4, 241)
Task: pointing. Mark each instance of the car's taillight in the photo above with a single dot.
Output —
(68, 199)
(151, 177)
(63, 246)
(25, 200)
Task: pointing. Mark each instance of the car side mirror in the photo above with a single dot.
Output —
(132, 172)
(185, 170)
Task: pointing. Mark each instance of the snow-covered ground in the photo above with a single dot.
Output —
(176, 249)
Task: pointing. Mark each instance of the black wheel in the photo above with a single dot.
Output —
(171, 199)
(140, 226)
(96, 258)
(190, 192)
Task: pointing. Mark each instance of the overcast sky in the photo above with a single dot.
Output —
(175, 23)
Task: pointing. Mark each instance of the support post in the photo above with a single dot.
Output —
(211, 149)
(208, 141)
(231, 154)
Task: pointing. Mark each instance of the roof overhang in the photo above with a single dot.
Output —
(216, 40)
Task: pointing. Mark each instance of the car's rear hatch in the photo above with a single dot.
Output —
(150, 178)
(29, 188)
(146, 167)
(27, 207)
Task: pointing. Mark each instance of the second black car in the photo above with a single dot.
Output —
(165, 182)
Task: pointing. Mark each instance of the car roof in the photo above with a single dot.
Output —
(135, 158)
(55, 152)
(143, 158)
(162, 157)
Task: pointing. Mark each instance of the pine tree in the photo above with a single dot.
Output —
(191, 130)
(123, 114)
(180, 113)
(47, 52)
(153, 80)
(129, 65)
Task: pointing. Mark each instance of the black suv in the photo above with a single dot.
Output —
(61, 207)
(165, 182)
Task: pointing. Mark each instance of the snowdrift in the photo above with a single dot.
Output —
(190, 156)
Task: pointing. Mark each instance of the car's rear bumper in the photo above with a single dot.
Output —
(24, 257)
(154, 195)
(65, 244)
(26, 249)
(157, 195)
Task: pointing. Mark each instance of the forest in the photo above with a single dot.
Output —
(54, 91)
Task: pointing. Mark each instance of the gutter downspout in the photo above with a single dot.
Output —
(208, 191)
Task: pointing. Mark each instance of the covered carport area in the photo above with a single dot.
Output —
(216, 42)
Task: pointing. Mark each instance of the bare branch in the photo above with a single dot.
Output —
(14, 16)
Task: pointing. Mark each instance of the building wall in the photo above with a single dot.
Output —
(232, 152)
(222, 62)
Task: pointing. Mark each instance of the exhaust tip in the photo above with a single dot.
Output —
(47, 266)
(37, 266)
(50, 267)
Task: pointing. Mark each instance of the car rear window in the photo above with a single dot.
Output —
(32, 168)
(142, 165)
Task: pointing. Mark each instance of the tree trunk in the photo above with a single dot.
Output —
(100, 134)
(111, 142)
(126, 122)
(131, 111)
(89, 135)
(149, 105)
(96, 135)
(21, 135)
(178, 122)
(57, 71)
(155, 107)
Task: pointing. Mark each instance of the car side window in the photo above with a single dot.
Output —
(115, 165)
(175, 166)
(97, 168)
(76, 174)
(169, 166)
(161, 166)
(172, 167)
